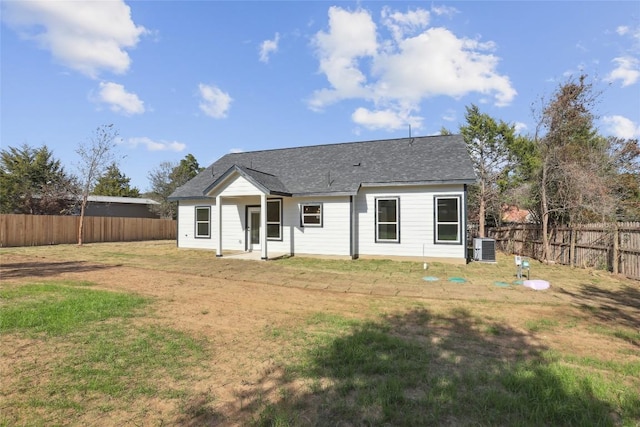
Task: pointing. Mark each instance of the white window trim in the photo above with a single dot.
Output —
(208, 221)
(458, 199)
(279, 222)
(303, 215)
(396, 222)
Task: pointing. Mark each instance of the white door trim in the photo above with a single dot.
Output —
(253, 235)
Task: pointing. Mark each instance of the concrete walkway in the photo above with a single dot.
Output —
(255, 255)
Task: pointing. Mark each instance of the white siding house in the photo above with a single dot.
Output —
(402, 198)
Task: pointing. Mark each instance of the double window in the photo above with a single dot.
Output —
(387, 220)
(311, 215)
(274, 219)
(203, 222)
(447, 221)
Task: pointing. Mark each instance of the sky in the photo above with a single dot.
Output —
(209, 77)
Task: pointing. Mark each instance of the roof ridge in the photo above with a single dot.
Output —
(341, 143)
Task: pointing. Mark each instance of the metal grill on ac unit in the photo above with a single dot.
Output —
(484, 250)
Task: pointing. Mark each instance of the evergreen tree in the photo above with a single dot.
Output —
(115, 183)
(488, 143)
(32, 181)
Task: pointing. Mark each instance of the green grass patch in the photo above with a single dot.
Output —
(117, 361)
(541, 325)
(93, 351)
(625, 334)
(386, 373)
(57, 308)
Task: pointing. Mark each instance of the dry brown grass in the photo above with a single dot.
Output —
(259, 318)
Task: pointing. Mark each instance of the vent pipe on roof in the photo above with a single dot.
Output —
(329, 180)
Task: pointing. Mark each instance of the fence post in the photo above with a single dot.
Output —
(616, 249)
(572, 246)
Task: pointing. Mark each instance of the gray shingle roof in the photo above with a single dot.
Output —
(342, 168)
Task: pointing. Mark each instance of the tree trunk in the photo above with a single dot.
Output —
(81, 224)
(545, 215)
(481, 218)
(481, 209)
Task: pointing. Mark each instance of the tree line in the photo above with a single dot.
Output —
(33, 181)
(564, 172)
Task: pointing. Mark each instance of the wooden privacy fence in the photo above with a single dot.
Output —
(613, 247)
(39, 230)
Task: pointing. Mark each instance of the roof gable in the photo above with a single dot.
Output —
(342, 168)
(264, 182)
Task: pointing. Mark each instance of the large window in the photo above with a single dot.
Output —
(274, 219)
(387, 220)
(311, 215)
(448, 222)
(203, 222)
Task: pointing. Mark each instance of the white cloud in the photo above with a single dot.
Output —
(397, 74)
(152, 145)
(444, 10)
(268, 47)
(627, 70)
(622, 30)
(236, 150)
(351, 35)
(621, 127)
(388, 119)
(400, 24)
(215, 103)
(119, 100)
(449, 115)
(87, 36)
(520, 127)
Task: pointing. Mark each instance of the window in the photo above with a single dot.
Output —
(203, 222)
(448, 220)
(311, 215)
(387, 220)
(274, 219)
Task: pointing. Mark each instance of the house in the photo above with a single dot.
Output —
(398, 198)
(513, 214)
(130, 207)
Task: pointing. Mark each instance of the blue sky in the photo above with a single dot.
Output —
(209, 78)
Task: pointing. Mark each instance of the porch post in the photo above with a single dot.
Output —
(263, 225)
(218, 226)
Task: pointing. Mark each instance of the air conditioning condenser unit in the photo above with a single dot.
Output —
(484, 250)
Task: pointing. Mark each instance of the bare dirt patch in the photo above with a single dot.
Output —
(235, 305)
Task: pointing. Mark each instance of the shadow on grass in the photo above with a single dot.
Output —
(620, 307)
(45, 269)
(426, 369)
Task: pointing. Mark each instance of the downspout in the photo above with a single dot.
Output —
(465, 228)
(219, 226)
(353, 236)
(351, 248)
(177, 222)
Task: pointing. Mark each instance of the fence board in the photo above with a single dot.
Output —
(584, 245)
(40, 230)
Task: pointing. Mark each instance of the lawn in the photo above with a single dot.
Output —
(148, 334)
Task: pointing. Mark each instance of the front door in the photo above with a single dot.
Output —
(253, 231)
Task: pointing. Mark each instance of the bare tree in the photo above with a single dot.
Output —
(572, 159)
(96, 155)
(161, 188)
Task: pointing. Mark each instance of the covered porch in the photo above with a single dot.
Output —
(245, 211)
